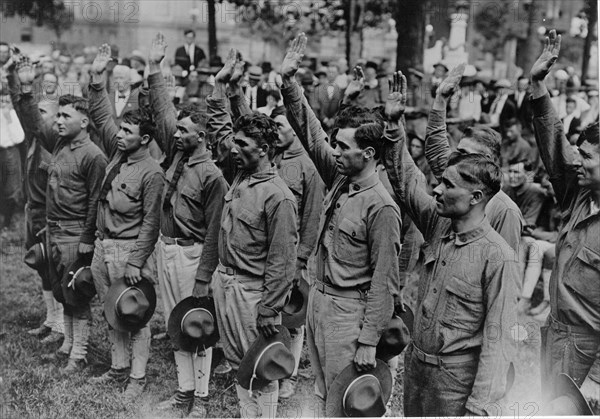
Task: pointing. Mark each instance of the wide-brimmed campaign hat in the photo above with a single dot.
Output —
(193, 324)
(569, 401)
(268, 359)
(293, 314)
(360, 394)
(36, 256)
(128, 308)
(77, 284)
(396, 336)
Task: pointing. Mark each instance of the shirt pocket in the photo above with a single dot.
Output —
(249, 232)
(351, 246)
(585, 279)
(188, 204)
(128, 197)
(464, 305)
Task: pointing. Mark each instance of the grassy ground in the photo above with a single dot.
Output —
(31, 388)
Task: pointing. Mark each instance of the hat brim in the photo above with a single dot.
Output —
(110, 308)
(72, 297)
(567, 387)
(246, 369)
(334, 406)
(295, 320)
(183, 341)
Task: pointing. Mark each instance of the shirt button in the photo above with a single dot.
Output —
(356, 187)
(443, 263)
(330, 227)
(435, 291)
(337, 205)
(353, 234)
(123, 185)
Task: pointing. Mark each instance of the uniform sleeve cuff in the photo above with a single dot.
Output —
(265, 311)
(369, 337)
(594, 373)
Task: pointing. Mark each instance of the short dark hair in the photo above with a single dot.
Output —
(479, 171)
(369, 126)
(527, 165)
(278, 111)
(80, 104)
(193, 32)
(4, 44)
(194, 112)
(591, 134)
(142, 119)
(260, 128)
(274, 94)
(486, 136)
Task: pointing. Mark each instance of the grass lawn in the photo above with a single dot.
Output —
(31, 388)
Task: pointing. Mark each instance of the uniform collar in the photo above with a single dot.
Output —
(138, 155)
(79, 142)
(363, 184)
(263, 176)
(294, 150)
(466, 237)
(199, 158)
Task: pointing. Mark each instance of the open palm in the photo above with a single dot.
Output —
(395, 104)
(102, 59)
(224, 75)
(547, 58)
(293, 58)
(25, 70)
(158, 49)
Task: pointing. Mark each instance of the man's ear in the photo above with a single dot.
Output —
(369, 153)
(85, 122)
(476, 197)
(201, 136)
(145, 139)
(264, 150)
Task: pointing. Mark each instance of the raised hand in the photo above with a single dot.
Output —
(24, 70)
(293, 58)
(102, 59)
(396, 100)
(224, 75)
(450, 84)
(238, 71)
(158, 49)
(357, 85)
(547, 58)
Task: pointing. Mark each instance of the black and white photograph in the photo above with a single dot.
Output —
(299, 209)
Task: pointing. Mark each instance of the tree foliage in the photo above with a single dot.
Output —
(278, 21)
(50, 13)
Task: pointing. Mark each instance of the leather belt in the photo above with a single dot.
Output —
(177, 241)
(582, 330)
(226, 270)
(440, 360)
(352, 293)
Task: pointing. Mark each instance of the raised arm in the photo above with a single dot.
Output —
(219, 123)
(437, 148)
(555, 151)
(239, 104)
(100, 109)
(20, 76)
(301, 116)
(408, 182)
(163, 111)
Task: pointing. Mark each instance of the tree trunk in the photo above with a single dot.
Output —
(410, 26)
(212, 31)
(350, 16)
(531, 47)
(592, 12)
